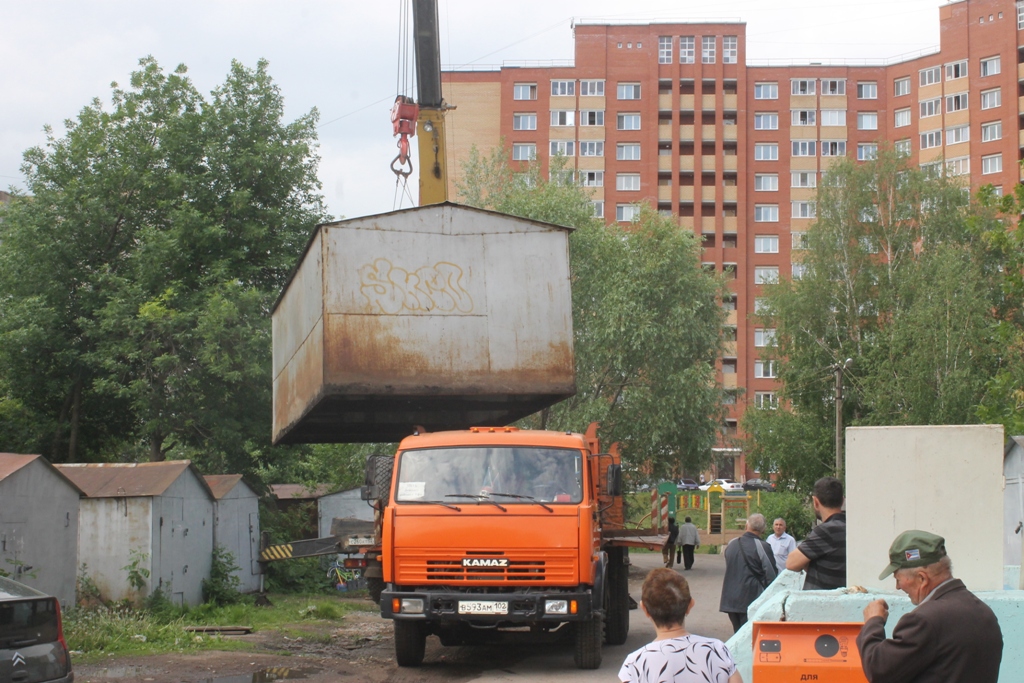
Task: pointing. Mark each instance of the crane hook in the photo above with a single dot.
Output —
(404, 115)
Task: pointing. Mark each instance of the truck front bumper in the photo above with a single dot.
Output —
(445, 605)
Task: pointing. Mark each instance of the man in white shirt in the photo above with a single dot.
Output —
(781, 542)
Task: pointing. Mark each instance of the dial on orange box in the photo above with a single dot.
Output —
(806, 651)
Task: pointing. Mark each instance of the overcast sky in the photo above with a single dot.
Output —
(342, 57)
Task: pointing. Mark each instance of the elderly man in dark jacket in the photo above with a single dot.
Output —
(749, 568)
(950, 637)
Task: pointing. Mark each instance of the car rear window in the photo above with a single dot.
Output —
(28, 622)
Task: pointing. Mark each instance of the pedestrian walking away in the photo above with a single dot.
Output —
(782, 543)
(823, 553)
(688, 541)
(668, 551)
(749, 569)
(675, 655)
(950, 637)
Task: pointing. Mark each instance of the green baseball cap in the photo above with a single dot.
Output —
(914, 548)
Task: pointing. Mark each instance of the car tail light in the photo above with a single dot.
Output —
(354, 563)
(60, 625)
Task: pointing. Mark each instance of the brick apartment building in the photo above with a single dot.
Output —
(673, 114)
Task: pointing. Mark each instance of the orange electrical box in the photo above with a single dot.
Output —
(796, 651)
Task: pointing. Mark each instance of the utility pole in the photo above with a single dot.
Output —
(838, 369)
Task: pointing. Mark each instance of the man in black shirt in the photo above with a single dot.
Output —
(668, 551)
(823, 552)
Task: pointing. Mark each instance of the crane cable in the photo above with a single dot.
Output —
(405, 112)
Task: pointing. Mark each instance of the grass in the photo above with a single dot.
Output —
(122, 630)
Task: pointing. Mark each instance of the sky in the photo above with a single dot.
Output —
(342, 57)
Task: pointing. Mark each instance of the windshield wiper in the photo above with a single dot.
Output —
(478, 498)
(434, 502)
(529, 498)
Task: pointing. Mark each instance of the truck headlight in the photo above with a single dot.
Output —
(556, 606)
(412, 605)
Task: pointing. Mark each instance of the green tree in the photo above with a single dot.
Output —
(646, 319)
(136, 280)
(898, 278)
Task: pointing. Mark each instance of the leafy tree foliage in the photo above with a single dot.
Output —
(646, 321)
(898, 278)
(136, 280)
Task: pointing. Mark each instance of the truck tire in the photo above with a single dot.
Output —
(616, 599)
(374, 587)
(588, 636)
(410, 642)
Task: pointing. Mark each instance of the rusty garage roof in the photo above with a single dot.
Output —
(12, 462)
(298, 491)
(116, 480)
(221, 484)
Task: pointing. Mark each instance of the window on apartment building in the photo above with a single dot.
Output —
(524, 121)
(566, 148)
(627, 212)
(524, 151)
(765, 336)
(765, 400)
(992, 163)
(592, 117)
(955, 70)
(524, 91)
(990, 66)
(562, 117)
(802, 86)
(1020, 16)
(766, 182)
(803, 179)
(687, 51)
(833, 117)
(799, 238)
(561, 176)
(799, 270)
(930, 76)
(707, 49)
(867, 151)
(766, 213)
(592, 178)
(931, 107)
(931, 169)
(991, 131)
(728, 366)
(628, 91)
(901, 86)
(764, 369)
(591, 148)
(664, 49)
(868, 244)
(592, 88)
(805, 148)
(728, 398)
(766, 244)
(990, 99)
(833, 148)
(867, 120)
(902, 118)
(730, 49)
(867, 90)
(761, 306)
(957, 102)
(958, 166)
(932, 138)
(561, 88)
(766, 91)
(833, 86)
(627, 182)
(958, 134)
(598, 208)
(803, 209)
(766, 120)
(627, 151)
(630, 121)
(766, 151)
(902, 147)
(804, 117)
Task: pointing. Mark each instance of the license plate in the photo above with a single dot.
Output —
(480, 607)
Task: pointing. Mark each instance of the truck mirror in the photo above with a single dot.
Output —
(614, 479)
(368, 492)
(370, 476)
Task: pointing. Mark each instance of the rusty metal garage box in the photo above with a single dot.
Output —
(442, 316)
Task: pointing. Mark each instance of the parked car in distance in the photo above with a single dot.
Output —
(32, 647)
(727, 484)
(688, 485)
(758, 485)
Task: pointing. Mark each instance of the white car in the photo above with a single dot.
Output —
(727, 484)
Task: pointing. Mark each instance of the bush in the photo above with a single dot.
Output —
(222, 586)
(797, 512)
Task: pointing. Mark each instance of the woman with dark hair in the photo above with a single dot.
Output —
(675, 655)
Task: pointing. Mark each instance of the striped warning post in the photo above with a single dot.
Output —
(655, 522)
(664, 512)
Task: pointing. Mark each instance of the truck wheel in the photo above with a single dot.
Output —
(617, 599)
(589, 635)
(410, 642)
(374, 587)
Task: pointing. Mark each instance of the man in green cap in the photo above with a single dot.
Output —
(950, 637)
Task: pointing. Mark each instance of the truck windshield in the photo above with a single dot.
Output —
(524, 475)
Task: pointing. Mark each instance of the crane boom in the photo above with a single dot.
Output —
(430, 123)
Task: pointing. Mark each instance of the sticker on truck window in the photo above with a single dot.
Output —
(412, 490)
